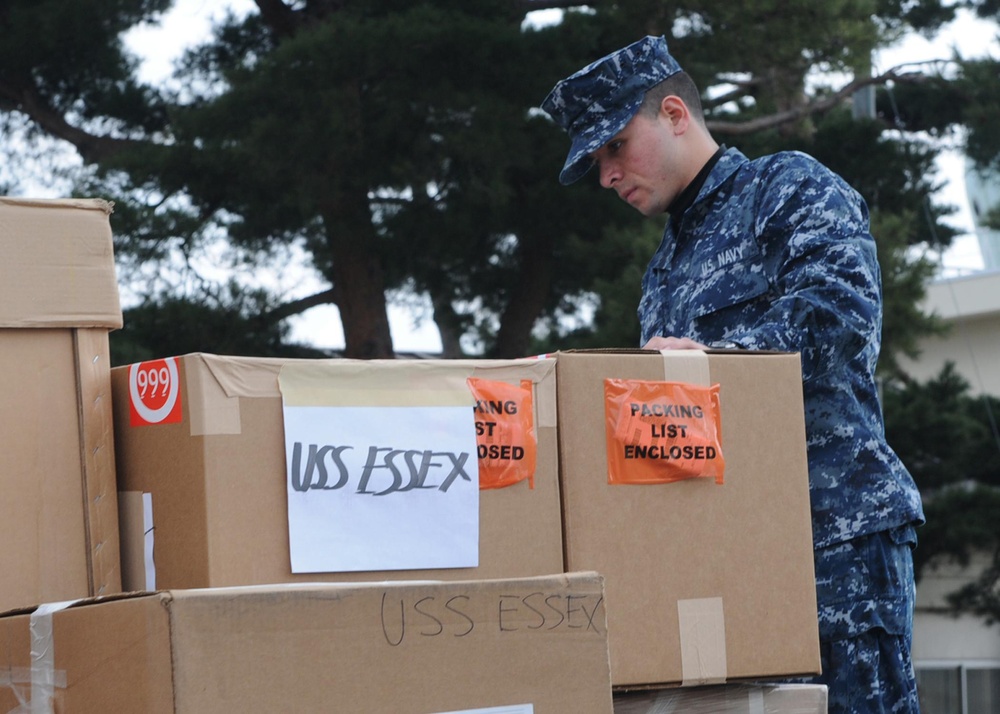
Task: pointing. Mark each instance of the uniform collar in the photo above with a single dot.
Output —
(686, 197)
(724, 163)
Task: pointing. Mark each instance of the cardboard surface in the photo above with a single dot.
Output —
(406, 648)
(58, 299)
(58, 264)
(727, 699)
(705, 582)
(217, 478)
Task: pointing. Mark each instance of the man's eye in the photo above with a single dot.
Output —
(615, 144)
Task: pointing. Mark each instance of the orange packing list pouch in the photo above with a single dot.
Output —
(505, 432)
(660, 432)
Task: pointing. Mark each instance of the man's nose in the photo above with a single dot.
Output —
(609, 174)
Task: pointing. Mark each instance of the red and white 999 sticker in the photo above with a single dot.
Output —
(154, 392)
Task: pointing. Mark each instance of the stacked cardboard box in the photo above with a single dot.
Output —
(708, 580)
(708, 583)
(211, 465)
(520, 646)
(216, 473)
(58, 301)
(727, 699)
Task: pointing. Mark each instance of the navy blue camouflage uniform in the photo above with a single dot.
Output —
(776, 254)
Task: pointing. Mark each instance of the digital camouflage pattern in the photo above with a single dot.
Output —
(775, 254)
(866, 593)
(597, 102)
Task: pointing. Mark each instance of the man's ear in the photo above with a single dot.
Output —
(676, 112)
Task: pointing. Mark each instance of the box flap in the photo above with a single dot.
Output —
(257, 377)
(402, 647)
(217, 381)
(58, 260)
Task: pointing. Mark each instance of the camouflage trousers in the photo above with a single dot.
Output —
(865, 592)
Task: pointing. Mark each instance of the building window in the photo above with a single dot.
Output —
(983, 686)
(972, 688)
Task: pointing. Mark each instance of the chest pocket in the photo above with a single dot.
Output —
(737, 290)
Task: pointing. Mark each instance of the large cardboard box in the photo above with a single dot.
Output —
(216, 479)
(706, 582)
(526, 646)
(58, 301)
(727, 699)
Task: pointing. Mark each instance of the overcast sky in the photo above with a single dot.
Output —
(190, 22)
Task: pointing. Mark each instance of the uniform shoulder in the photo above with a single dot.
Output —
(795, 168)
(788, 161)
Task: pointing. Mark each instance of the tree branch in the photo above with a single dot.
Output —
(814, 107)
(295, 307)
(92, 148)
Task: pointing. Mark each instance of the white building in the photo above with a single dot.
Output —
(983, 190)
(971, 307)
(958, 659)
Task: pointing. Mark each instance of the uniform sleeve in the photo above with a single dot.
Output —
(828, 288)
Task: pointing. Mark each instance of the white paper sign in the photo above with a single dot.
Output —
(381, 488)
(513, 709)
(147, 541)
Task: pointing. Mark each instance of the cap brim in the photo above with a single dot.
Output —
(593, 137)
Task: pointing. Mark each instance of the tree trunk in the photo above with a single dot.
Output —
(527, 298)
(447, 321)
(358, 284)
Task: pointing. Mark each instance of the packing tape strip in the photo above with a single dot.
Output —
(373, 383)
(211, 410)
(755, 700)
(14, 675)
(665, 703)
(216, 384)
(542, 374)
(11, 678)
(688, 366)
(703, 641)
(44, 676)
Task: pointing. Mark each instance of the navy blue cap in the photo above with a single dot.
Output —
(597, 102)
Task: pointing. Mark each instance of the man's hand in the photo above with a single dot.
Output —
(673, 343)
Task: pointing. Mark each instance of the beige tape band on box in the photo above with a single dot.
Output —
(369, 384)
(216, 384)
(212, 410)
(44, 676)
(688, 366)
(703, 641)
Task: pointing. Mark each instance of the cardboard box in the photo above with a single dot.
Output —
(705, 582)
(406, 648)
(58, 301)
(727, 699)
(217, 479)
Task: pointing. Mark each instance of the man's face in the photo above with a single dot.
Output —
(642, 163)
